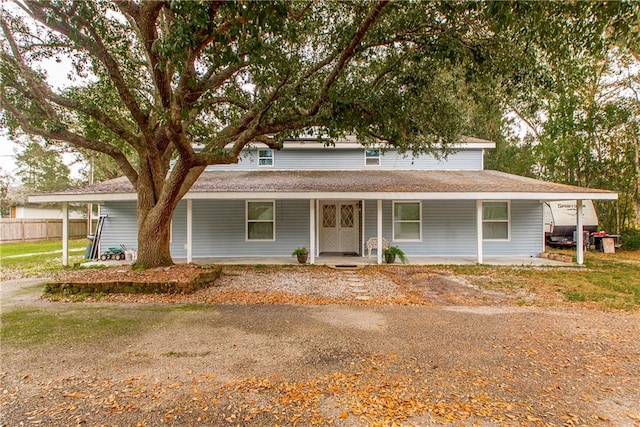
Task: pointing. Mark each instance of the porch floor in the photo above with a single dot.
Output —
(362, 261)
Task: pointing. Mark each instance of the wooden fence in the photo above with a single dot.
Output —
(16, 230)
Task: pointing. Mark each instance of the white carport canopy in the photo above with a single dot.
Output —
(379, 185)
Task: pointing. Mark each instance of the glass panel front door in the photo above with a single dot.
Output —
(339, 227)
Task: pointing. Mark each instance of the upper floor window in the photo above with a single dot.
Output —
(261, 224)
(407, 221)
(372, 157)
(495, 220)
(265, 157)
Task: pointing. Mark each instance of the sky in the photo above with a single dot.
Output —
(7, 159)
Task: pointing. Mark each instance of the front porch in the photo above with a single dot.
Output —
(358, 261)
(444, 217)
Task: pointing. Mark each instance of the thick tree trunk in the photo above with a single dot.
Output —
(154, 231)
(154, 238)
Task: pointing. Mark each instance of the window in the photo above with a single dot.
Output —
(372, 157)
(407, 221)
(261, 220)
(265, 157)
(495, 220)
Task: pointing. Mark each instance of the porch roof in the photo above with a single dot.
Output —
(353, 184)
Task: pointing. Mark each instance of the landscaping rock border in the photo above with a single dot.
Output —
(197, 281)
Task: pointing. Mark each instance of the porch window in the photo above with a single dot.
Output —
(261, 220)
(265, 158)
(372, 157)
(495, 220)
(407, 221)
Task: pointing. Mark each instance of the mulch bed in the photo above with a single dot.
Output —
(179, 278)
(260, 285)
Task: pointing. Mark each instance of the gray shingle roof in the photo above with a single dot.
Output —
(353, 181)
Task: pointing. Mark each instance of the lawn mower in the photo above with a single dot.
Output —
(113, 253)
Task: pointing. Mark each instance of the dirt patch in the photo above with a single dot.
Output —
(317, 285)
(444, 288)
(347, 366)
(460, 355)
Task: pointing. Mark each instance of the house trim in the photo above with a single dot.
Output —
(491, 196)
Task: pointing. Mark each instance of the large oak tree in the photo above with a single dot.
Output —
(153, 80)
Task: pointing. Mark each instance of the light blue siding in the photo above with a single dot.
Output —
(179, 231)
(332, 158)
(448, 229)
(220, 229)
(526, 232)
(120, 226)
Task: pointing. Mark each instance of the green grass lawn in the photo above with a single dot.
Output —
(609, 281)
(34, 257)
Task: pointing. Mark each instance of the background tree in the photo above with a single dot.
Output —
(585, 132)
(159, 78)
(5, 204)
(41, 169)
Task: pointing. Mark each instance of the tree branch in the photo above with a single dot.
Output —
(347, 54)
(95, 46)
(74, 139)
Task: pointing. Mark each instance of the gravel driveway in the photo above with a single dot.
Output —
(482, 363)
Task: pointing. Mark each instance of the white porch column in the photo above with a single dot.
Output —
(379, 233)
(65, 234)
(189, 230)
(479, 230)
(579, 234)
(312, 231)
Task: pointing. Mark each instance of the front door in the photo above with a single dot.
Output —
(339, 227)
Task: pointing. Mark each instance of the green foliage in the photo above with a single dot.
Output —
(631, 239)
(575, 296)
(5, 182)
(300, 251)
(34, 258)
(37, 327)
(41, 168)
(584, 129)
(394, 251)
(611, 281)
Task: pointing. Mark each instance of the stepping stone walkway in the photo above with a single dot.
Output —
(357, 286)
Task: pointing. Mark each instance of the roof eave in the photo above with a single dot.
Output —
(82, 198)
(357, 195)
(327, 195)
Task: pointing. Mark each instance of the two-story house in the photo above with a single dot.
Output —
(334, 199)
